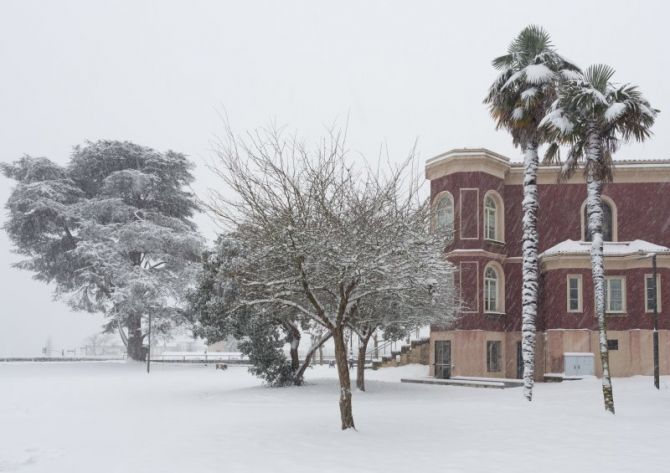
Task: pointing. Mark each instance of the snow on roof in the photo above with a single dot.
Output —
(610, 248)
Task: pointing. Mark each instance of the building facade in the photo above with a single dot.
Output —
(477, 194)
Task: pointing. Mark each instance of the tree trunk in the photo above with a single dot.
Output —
(530, 268)
(360, 363)
(594, 211)
(294, 342)
(346, 414)
(299, 376)
(135, 347)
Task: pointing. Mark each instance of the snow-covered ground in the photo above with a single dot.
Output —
(112, 417)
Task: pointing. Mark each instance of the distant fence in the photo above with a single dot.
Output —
(57, 358)
(200, 357)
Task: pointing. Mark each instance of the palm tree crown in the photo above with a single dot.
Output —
(526, 86)
(591, 107)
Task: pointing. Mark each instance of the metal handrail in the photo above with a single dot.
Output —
(382, 348)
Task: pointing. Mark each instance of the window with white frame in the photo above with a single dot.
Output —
(492, 287)
(649, 293)
(490, 219)
(574, 292)
(444, 214)
(615, 294)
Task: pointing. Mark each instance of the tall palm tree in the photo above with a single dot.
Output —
(593, 116)
(518, 100)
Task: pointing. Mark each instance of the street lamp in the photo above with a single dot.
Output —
(655, 316)
(149, 346)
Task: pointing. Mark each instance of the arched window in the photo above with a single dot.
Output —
(608, 223)
(493, 217)
(490, 217)
(444, 213)
(493, 289)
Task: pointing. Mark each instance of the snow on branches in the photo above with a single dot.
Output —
(323, 237)
(111, 230)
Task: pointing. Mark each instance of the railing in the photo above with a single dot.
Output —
(205, 357)
(389, 347)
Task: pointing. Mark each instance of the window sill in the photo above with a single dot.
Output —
(575, 312)
(497, 314)
(495, 242)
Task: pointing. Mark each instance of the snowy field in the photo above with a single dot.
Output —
(112, 417)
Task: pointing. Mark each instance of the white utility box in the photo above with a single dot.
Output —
(579, 364)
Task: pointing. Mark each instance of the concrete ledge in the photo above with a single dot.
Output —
(470, 382)
(508, 382)
(559, 378)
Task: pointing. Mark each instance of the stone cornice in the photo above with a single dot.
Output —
(624, 173)
(550, 263)
(476, 252)
(469, 160)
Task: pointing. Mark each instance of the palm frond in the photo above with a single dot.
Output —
(503, 62)
(538, 74)
(532, 41)
(552, 155)
(599, 75)
(575, 156)
(568, 74)
(634, 115)
(558, 120)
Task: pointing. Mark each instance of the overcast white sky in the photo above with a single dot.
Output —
(158, 73)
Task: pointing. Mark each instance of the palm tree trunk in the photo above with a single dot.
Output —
(594, 210)
(530, 268)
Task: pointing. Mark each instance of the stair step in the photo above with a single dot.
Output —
(461, 382)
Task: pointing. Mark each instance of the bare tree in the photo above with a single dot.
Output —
(396, 315)
(330, 236)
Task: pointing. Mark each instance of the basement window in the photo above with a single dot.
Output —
(612, 344)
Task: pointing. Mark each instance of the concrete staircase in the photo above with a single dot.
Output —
(404, 353)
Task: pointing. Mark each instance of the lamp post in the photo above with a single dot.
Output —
(654, 279)
(654, 290)
(149, 346)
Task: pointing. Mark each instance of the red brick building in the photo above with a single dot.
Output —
(478, 193)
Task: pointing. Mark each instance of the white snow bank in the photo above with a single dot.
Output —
(112, 417)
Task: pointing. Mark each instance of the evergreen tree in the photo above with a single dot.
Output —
(262, 332)
(111, 231)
